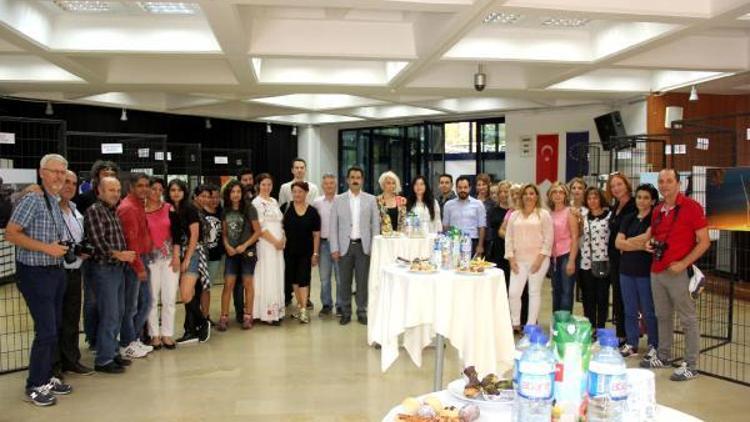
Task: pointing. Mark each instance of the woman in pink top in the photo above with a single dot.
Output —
(528, 245)
(164, 268)
(564, 247)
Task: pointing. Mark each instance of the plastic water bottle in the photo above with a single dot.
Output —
(437, 252)
(465, 250)
(456, 243)
(607, 383)
(446, 252)
(521, 347)
(536, 382)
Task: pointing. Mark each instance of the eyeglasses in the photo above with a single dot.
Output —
(57, 172)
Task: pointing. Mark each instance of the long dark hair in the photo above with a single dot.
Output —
(180, 206)
(428, 199)
(228, 195)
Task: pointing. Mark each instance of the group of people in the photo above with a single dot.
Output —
(129, 254)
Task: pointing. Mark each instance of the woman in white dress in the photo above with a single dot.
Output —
(417, 202)
(269, 271)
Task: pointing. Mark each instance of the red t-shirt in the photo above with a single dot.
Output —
(680, 234)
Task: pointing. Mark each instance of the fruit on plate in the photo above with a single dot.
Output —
(422, 265)
(491, 384)
(480, 261)
(426, 412)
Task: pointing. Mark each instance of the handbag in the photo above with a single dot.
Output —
(599, 269)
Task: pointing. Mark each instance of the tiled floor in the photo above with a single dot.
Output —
(316, 372)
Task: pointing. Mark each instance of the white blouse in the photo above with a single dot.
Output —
(434, 225)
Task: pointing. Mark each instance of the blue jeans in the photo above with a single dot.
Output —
(109, 280)
(90, 316)
(563, 285)
(326, 267)
(636, 294)
(137, 305)
(43, 289)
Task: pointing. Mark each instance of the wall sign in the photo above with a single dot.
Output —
(111, 148)
(143, 152)
(221, 159)
(7, 138)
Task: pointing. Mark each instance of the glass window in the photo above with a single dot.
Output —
(457, 138)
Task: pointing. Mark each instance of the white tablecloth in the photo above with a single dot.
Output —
(499, 414)
(384, 252)
(470, 311)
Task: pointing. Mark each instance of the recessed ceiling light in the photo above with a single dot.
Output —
(168, 8)
(83, 6)
(502, 18)
(565, 22)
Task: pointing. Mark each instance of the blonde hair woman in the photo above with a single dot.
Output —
(564, 247)
(528, 246)
(392, 207)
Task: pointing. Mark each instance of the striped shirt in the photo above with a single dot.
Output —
(40, 223)
(104, 231)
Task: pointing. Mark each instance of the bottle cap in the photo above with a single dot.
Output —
(530, 328)
(605, 332)
(538, 337)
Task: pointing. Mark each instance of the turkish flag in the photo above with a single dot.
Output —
(546, 157)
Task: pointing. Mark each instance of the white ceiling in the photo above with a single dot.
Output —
(334, 61)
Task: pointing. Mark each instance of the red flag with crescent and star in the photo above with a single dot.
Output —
(546, 157)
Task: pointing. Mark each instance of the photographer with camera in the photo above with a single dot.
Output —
(107, 267)
(679, 236)
(36, 229)
(69, 355)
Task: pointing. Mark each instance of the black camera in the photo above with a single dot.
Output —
(659, 248)
(75, 250)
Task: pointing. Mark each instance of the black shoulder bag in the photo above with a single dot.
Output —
(599, 269)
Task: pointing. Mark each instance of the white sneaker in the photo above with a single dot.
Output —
(132, 352)
(145, 347)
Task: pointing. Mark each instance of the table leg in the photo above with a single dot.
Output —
(439, 352)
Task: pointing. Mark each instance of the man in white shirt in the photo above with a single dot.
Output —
(327, 265)
(299, 168)
(354, 222)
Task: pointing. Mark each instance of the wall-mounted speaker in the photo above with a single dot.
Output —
(609, 125)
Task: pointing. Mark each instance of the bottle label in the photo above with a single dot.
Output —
(536, 387)
(537, 368)
(613, 386)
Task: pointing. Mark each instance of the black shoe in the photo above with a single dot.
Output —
(362, 319)
(310, 305)
(188, 338)
(58, 388)
(326, 311)
(40, 396)
(338, 311)
(121, 361)
(345, 319)
(79, 369)
(110, 368)
(204, 333)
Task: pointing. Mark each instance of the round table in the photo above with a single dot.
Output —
(469, 310)
(384, 252)
(503, 413)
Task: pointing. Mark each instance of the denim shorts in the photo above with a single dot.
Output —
(236, 266)
(193, 266)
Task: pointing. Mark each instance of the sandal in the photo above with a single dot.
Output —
(247, 321)
(156, 343)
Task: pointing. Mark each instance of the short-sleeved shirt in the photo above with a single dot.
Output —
(299, 230)
(468, 215)
(635, 263)
(181, 221)
(239, 224)
(679, 233)
(212, 236)
(39, 223)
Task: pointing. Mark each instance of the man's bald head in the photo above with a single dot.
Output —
(109, 190)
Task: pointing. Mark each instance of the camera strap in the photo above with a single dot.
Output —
(660, 217)
(52, 215)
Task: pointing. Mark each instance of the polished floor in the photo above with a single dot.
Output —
(315, 372)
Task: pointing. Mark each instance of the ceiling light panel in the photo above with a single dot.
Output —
(169, 8)
(311, 119)
(503, 18)
(393, 112)
(82, 6)
(317, 101)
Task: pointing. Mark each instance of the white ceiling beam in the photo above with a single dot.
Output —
(458, 27)
(728, 16)
(229, 30)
